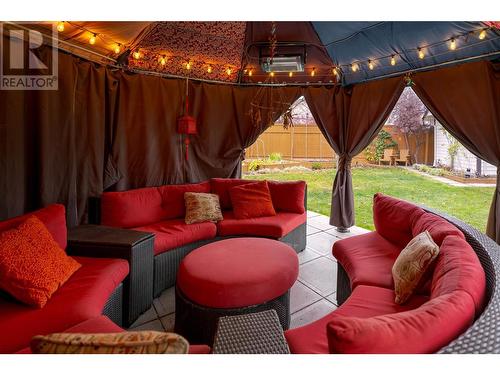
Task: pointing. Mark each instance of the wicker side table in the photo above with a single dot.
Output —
(255, 333)
(136, 247)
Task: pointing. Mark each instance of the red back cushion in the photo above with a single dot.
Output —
(392, 218)
(52, 216)
(423, 330)
(252, 200)
(288, 196)
(132, 208)
(32, 264)
(438, 227)
(221, 186)
(458, 268)
(173, 198)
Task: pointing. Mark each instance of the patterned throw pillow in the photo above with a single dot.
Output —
(202, 207)
(140, 342)
(411, 265)
(32, 264)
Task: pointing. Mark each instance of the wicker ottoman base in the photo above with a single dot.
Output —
(198, 324)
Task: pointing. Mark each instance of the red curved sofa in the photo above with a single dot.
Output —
(161, 211)
(368, 320)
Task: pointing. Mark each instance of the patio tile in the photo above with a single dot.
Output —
(320, 222)
(311, 230)
(321, 242)
(353, 231)
(307, 255)
(311, 313)
(147, 316)
(320, 275)
(168, 322)
(165, 303)
(312, 214)
(154, 325)
(301, 296)
(332, 298)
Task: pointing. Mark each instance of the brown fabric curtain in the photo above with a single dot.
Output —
(465, 99)
(349, 118)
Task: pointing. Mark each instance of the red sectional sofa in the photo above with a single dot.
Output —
(93, 290)
(160, 210)
(368, 320)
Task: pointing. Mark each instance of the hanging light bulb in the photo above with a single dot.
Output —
(250, 72)
(136, 55)
(163, 60)
(188, 65)
(209, 69)
(393, 60)
(313, 72)
(60, 26)
(117, 48)
(271, 74)
(354, 67)
(93, 39)
(421, 53)
(228, 71)
(453, 44)
(290, 74)
(482, 34)
(335, 71)
(370, 65)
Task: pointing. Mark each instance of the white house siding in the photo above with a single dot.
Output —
(464, 158)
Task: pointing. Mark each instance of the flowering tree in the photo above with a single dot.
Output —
(407, 116)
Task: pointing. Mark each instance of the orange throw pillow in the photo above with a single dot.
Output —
(251, 200)
(32, 265)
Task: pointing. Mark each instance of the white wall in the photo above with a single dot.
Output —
(463, 160)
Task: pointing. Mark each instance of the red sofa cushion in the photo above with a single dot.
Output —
(458, 268)
(425, 329)
(251, 200)
(288, 196)
(367, 259)
(54, 218)
(364, 302)
(132, 208)
(393, 217)
(238, 272)
(170, 234)
(438, 227)
(82, 297)
(173, 198)
(221, 186)
(270, 226)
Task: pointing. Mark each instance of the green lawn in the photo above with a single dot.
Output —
(470, 204)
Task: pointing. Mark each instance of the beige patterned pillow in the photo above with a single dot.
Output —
(411, 265)
(140, 342)
(202, 207)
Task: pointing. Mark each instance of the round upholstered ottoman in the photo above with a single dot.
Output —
(232, 277)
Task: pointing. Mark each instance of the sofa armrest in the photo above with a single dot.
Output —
(136, 247)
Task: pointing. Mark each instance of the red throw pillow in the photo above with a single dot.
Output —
(288, 196)
(252, 200)
(32, 265)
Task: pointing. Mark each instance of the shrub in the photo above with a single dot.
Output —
(275, 156)
(375, 151)
(255, 165)
(316, 166)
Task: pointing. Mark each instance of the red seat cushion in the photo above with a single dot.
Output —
(288, 196)
(393, 217)
(238, 272)
(54, 218)
(82, 297)
(271, 226)
(170, 234)
(251, 200)
(425, 329)
(364, 302)
(221, 186)
(173, 198)
(132, 208)
(367, 259)
(458, 268)
(438, 227)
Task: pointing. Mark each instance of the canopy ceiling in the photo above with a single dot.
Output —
(229, 51)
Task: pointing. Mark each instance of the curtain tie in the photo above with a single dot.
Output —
(344, 162)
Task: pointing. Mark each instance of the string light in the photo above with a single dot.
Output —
(370, 65)
(453, 44)
(228, 71)
(313, 72)
(335, 71)
(393, 60)
(136, 55)
(250, 72)
(290, 74)
(163, 60)
(209, 69)
(271, 74)
(421, 53)
(93, 39)
(482, 34)
(60, 26)
(117, 48)
(188, 65)
(354, 67)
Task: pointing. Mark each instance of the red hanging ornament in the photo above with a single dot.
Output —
(186, 125)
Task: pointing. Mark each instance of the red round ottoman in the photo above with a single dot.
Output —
(232, 277)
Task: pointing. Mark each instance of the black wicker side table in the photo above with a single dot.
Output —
(136, 247)
(256, 333)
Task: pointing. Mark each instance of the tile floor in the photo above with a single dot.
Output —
(311, 297)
